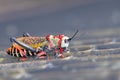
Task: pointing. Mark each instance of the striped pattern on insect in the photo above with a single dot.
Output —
(39, 47)
(25, 47)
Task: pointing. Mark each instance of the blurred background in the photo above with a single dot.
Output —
(42, 17)
(96, 54)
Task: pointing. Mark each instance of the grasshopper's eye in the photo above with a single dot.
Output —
(65, 40)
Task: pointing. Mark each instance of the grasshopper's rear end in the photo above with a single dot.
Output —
(33, 49)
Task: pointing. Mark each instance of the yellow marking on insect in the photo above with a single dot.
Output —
(39, 44)
(19, 48)
(12, 51)
(30, 53)
(34, 53)
(17, 54)
(15, 46)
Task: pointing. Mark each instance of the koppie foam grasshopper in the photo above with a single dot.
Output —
(39, 47)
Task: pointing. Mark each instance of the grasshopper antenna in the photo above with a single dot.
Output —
(73, 35)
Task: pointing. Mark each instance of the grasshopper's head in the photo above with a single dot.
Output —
(65, 42)
(60, 40)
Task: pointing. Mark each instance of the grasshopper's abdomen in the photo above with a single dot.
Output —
(18, 51)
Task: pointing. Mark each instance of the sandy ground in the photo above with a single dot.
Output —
(94, 58)
(95, 53)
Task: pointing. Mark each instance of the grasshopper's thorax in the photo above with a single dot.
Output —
(57, 40)
(54, 40)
